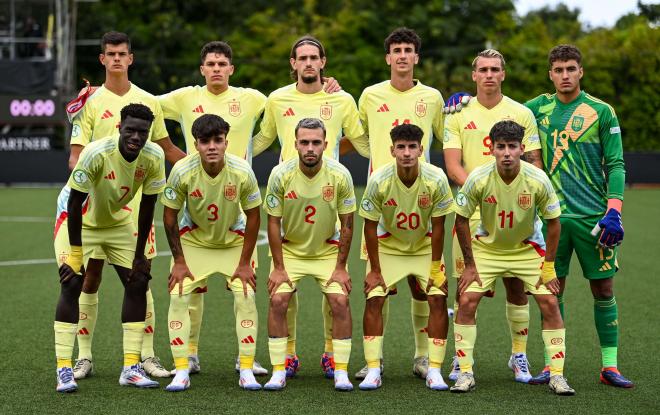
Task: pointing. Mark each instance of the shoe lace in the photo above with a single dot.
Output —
(156, 362)
(79, 364)
(66, 375)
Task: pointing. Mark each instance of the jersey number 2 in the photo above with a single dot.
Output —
(310, 212)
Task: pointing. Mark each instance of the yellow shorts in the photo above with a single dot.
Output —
(398, 267)
(204, 262)
(320, 269)
(528, 271)
(117, 244)
(456, 253)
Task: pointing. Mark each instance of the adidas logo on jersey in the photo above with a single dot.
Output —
(545, 121)
(106, 114)
(491, 199)
(289, 113)
(199, 109)
(391, 202)
(559, 355)
(470, 126)
(110, 176)
(383, 108)
(83, 331)
(149, 330)
(523, 332)
(248, 340)
(460, 353)
(196, 194)
(177, 342)
(291, 195)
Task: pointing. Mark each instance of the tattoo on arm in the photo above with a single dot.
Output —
(172, 232)
(345, 238)
(464, 239)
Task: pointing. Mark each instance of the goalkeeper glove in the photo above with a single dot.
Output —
(612, 227)
(75, 259)
(456, 102)
(548, 272)
(437, 274)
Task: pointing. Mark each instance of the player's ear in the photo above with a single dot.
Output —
(392, 150)
(325, 144)
(323, 62)
(102, 58)
(130, 59)
(201, 70)
(421, 150)
(416, 58)
(388, 59)
(474, 76)
(231, 70)
(196, 148)
(292, 61)
(550, 74)
(581, 72)
(503, 74)
(522, 148)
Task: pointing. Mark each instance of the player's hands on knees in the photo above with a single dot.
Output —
(341, 277)
(73, 264)
(549, 277)
(330, 85)
(179, 273)
(66, 273)
(141, 265)
(372, 280)
(469, 276)
(278, 277)
(245, 273)
(444, 287)
(437, 277)
(456, 102)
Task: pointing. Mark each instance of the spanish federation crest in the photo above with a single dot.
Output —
(325, 112)
(525, 200)
(234, 108)
(139, 173)
(420, 108)
(424, 201)
(328, 193)
(578, 122)
(230, 192)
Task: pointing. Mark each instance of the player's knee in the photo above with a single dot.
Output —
(437, 301)
(375, 304)
(467, 305)
(72, 288)
(339, 304)
(602, 289)
(279, 304)
(138, 284)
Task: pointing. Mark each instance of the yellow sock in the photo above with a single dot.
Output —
(373, 350)
(437, 349)
(518, 318)
(420, 320)
(149, 327)
(291, 316)
(181, 363)
(178, 326)
(555, 347)
(245, 310)
(277, 351)
(386, 317)
(132, 342)
(342, 352)
(65, 337)
(196, 312)
(246, 362)
(464, 337)
(326, 310)
(89, 307)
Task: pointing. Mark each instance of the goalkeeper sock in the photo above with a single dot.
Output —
(88, 307)
(196, 311)
(65, 337)
(464, 338)
(555, 347)
(373, 351)
(606, 314)
(277, 350)
(149, 327)
(342, 353)
(291, 317)
(132, 342)
(437, 349)
(420, 319)
(326, 310)
(518, 319)
(179, 329)
(245, 310)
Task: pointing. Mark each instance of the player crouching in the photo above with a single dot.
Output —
(404, 208)
(220, 198)
(509, 244)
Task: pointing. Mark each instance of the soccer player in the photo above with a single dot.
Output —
(583, 157)
(98, 118)
(220, 197)
(404, 208)
(108, 175)
(402, 100)
(285, 107)
(304, 200)
(467, 146)
(508, 244)
(241, 108)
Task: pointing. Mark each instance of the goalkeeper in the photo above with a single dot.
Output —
(404, 207)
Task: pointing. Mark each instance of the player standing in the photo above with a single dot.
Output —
(402, 100)
(467, 146)
(304, 200)
(404, 207)
(285, 107)
(108, 175)
(98, 118)
(220, 197)
(583, 156)
(508, 244)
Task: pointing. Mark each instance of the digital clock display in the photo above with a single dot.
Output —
(27, 108)
(16, 109)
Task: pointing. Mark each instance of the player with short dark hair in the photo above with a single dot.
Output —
(109, 174)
